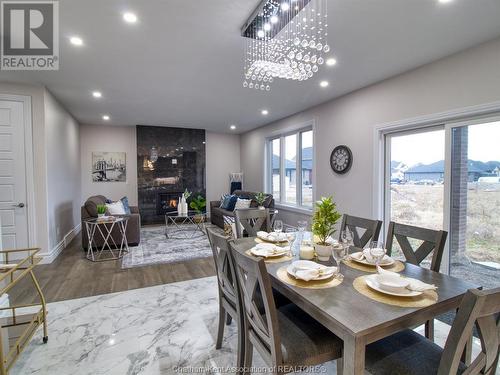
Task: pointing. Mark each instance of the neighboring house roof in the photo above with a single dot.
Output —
(307, 161)
(438, 167)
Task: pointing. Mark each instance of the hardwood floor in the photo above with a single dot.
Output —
(71, 276)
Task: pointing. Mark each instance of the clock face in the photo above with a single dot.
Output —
(341, 159)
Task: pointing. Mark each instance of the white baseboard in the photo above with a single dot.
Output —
(56, 250)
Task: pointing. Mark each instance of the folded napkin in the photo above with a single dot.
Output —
(267, 249)
(415, 285)
(314, 273)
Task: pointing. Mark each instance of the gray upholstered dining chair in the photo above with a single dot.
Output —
(371, 227)
(284, 337)
(229, 301)
(409, 353)
(251, 220)
(433, 241)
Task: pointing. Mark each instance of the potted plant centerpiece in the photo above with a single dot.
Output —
(260, 198)
(101, 210)
(198, 204)
(323, 226)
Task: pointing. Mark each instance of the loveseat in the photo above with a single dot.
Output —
(217, 214)
(133, 232)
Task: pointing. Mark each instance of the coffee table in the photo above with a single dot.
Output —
(184, 226)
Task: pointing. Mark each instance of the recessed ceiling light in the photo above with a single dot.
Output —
(260, 33)
(285, 6)
(324, 83)
(76, 41)
(265, 112)
(106, 117)
(129, 17)
(96, 94)
(331, 61)
(274, 19)
(267, 27)
(445, 1)
(232, 127)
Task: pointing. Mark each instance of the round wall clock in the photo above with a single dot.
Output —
(341, 159)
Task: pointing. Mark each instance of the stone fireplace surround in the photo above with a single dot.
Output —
(169, 160)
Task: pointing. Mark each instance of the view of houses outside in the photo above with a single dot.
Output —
(417, 190)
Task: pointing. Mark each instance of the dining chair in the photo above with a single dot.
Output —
(371, 227)
(286, 337)
(433, 241)
(251, 220)
(229, 302)
(408, 353)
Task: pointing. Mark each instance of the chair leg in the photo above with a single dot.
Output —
(247, 361)
(240, 359)
(340, 366)
(467, 354)
(429, 329)
(220, 330)
(229, 319)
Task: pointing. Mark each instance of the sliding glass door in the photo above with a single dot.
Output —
(448, 177)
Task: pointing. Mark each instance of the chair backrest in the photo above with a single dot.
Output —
(479, 308)
(224, 267)
(371, 227)
(256, 291)
(252, 220)
(433, 240)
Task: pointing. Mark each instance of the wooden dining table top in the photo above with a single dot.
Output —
(346, 312)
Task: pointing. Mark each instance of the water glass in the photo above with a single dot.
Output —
(347, 238)
(302, 225)
(290, 237)
(377, 251)
(278, 226)
(339, 253)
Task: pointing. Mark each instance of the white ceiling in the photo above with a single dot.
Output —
(181, 64)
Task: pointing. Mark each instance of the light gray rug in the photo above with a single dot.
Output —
(156, 248)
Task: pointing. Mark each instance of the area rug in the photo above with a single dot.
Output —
(156, 248)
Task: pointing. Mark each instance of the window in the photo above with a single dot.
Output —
(290, 168)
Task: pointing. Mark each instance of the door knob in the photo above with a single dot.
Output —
(19, 205)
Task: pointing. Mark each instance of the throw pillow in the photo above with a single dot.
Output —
(242, 203)
(115, 208)
(126, 206)
(229, 202)
(222, 199)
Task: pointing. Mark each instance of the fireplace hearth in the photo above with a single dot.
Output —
(167, 202)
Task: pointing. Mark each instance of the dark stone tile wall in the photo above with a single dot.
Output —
(169, 160)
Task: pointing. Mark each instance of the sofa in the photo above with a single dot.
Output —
(133, 232)
(217, 214)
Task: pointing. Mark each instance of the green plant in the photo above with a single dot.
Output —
(186, 194)
(324, 219)
(198, 204)
(101, 209)
(260, 198)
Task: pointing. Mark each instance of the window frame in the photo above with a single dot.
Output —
(281, 202)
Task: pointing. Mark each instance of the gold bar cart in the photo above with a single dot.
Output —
(14, 266)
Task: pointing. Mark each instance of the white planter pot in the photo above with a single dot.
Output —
(323, 252)
(262, 208)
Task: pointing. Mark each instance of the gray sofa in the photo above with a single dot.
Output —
(133, 232)
(217, 214)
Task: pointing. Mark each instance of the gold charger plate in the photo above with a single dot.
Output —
(286, 278)
(397, 266)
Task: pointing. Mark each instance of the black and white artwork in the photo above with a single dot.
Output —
(109, 167)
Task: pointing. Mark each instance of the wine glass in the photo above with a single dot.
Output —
(290, 237)
(302, 225)
(339, 253)
(278, 226)
(377, 251)
(346, 238)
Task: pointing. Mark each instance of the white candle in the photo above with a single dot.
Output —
(306, 252)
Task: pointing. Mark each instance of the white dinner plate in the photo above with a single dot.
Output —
(372, 282)
(263, 253)
(266, 239)
(309, 265)
(386, 261)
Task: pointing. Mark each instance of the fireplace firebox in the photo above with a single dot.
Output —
(167, 202)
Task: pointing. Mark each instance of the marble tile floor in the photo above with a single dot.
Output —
(166, 329)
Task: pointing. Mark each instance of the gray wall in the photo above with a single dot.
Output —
(62, 139)
(112, 139)
(469, 78)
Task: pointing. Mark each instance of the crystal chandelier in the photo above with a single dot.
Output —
(284, 39)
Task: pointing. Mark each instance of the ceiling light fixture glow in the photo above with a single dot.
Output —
(76, 41)
(324, 83)
(445, 1)
(264, 112)
(106, 117)
(232, 127)
(261, 33)
(331, 61)
(267, 27)
(97, 94)
(274, 19)
(129, 17)
(285, 6)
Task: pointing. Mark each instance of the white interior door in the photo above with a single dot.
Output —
(13, 195)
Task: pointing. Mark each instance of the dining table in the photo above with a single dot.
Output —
(357, 319)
